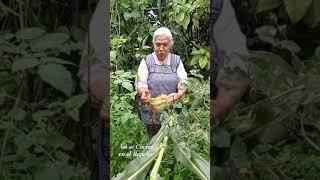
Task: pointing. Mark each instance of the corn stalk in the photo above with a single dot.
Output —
(138, 168)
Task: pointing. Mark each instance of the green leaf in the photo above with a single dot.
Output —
(30, 33)
(49, 173)
(57, 76)
(41, 114)
(180, 17)
(220, 138)
(238, 153)
(48, 41)
(25, 63)
(265, 5)
(203, 62)
(267, 33)
(55, 60)
(194, 61)
(7, 9)
(127, 85)
(186, 21)
(58, 140)
(9, 48)
(126, 15)
(73, 105)
(290, 45)
(190, 159)
(273, 133)
(312, 17)
(113, 56)
(296, 9)
(18, 114)
(138, 168)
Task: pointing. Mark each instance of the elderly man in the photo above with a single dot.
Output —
(160, 73)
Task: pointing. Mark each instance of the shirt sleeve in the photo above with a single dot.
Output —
(182, 76)
(142, 77)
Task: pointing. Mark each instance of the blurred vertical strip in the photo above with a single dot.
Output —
(215, 9)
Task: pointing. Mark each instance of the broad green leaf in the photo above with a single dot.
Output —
(135, 14)
(55, 60)
(127, 85)
(113, 56)
(186, 21)
(290, 45)
(125, 117)
(296, 9)
(265, 5)
(18, 114)
(49, 173)
(73, 105)
(273, 133)
(117, 81)
(58, 140)
(194, 61)
(126, 15)
(203, 62)
(10, 48)
(180, 17)
(53, 40)
(25, 63)
(138, 168)
(191, 160)
(274, 61)
(41, 114)
(57, 76)
(30, 33)
(196, 52)
(62, 155)
(312, 17)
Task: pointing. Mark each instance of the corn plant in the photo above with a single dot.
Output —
(169, 133)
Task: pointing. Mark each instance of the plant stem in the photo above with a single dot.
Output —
(155, 169)
(16, 104)
(21, 20)
(305, 136)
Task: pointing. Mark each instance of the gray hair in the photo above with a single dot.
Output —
(162, 31)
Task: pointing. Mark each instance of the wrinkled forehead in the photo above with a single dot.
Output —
(162, 39)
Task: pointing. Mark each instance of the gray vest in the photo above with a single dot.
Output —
(162, 79)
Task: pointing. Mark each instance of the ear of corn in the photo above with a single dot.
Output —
(160, 103)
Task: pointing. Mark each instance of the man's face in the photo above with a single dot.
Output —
(162, 47)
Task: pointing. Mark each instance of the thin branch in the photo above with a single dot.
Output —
(305, 136)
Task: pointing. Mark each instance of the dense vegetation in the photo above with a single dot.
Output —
(42, 133)
(131, 40)
(274, 132)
